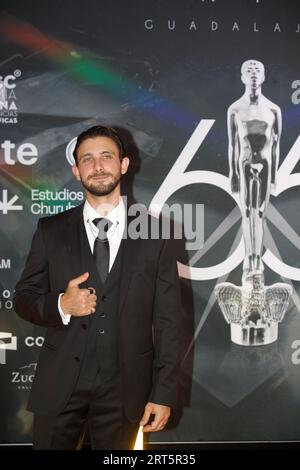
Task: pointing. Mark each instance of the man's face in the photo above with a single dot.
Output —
(253, 73)
(99, 167)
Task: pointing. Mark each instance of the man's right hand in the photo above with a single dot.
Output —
(78, 302)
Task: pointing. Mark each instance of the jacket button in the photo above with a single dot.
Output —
(103, 315)
(77, 359)
(101, 331)
(83, 326)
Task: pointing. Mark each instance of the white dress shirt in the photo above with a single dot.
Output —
(117, 218)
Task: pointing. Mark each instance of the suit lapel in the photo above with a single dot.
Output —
(131, 250)
(80, 256)
(73, 240)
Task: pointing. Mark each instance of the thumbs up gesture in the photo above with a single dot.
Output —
(76, 301)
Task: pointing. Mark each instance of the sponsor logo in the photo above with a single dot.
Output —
(7, 204)
(48, 202)
(25, 153)
(8, 342)
(69, 151)
(8, 98)
(5, 300)
(23, 377)
(5, 263)
(31, 341)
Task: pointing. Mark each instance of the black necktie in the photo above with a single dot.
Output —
(101, 247)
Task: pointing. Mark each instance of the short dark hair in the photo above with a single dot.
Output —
(100, 131)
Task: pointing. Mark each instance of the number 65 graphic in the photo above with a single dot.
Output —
(177, 178)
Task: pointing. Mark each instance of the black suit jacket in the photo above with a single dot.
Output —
(149, 311)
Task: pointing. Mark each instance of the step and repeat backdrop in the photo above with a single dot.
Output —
(207, 96)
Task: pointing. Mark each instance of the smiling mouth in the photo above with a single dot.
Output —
(99, 177)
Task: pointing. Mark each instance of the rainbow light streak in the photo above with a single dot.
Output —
(83, 68)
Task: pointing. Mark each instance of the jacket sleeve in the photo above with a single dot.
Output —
(166, 330)
(33, 300)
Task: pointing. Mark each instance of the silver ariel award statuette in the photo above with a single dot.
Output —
(253, 310)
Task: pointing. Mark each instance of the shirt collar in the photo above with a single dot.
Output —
(117, 214)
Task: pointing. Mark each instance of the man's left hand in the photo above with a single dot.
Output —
(161, 415)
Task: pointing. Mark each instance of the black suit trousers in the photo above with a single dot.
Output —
(94, 406)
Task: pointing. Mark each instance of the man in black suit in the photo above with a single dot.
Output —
(110, 303)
